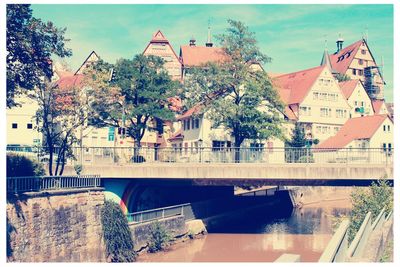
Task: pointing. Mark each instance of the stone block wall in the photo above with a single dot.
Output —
(175, 226)
(62, 226)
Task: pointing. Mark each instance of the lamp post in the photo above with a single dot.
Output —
(201, 148)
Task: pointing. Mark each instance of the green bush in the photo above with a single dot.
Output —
(159, 237)
(18, 165)
(117, 235)
(372, 199)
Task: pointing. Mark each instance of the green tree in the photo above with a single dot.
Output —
(159, 237)
(372, 199)
(138, 91)
(62, 111)
(116, 232)
(30, 45)
(239, 98)
(298, 136)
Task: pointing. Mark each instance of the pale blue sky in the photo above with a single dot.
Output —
(293, 35)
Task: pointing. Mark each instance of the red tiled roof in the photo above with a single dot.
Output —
(199, 55)
(341, 61)
(348, 87)
(175, 103)
(377, 105)
(355, 128)
(274, 75)
(293, 87)
(69, 81)
(193, 110)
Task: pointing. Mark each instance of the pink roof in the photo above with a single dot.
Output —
(199, 55)
(355, 128)
(192, 111)
(377, 105)
(341, 61)
(175, 103)
(69, 81)
(348, 87)
(293, 87)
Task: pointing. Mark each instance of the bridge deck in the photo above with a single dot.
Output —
(298, 173)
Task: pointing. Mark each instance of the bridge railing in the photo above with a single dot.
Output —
(130, 155)
(45, 183)
(161, 213)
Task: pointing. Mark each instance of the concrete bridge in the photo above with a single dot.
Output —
(226, 174)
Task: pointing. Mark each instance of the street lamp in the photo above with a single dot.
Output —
(201, 148)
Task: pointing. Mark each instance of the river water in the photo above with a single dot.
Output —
(304, 231)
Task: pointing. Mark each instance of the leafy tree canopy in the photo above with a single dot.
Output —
(138, 91)
(239, 98)
(30, 45)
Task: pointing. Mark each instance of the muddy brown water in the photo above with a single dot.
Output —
(304, 231)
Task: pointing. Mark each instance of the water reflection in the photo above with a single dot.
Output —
(306, 232)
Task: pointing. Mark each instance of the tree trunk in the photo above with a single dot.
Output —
(50, 160)
(136, 150)
(238, 142)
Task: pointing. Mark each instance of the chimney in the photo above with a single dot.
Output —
(209, 43)
(339, 43)
(192, 42)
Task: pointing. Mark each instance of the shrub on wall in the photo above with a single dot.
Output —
(372, 199)
(159, 237)
(117, 235)
(18, 165)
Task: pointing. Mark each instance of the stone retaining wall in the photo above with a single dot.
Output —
(175, 226)
(62, 226)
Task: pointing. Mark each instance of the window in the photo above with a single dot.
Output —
(303, 110)
(360, 72)
(384, 147)
(360, 62)
(188, 124)
(390, 147)
(384, 128)
(29, 126)
(362, 103)
(388, 128)
(354, 72)
(14, 125)
(315, 95)
(363, 51)
(335, 129)
(339, 113)
(355, 103)
(196, 123)
(324, 112)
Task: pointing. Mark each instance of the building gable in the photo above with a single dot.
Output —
(325, 93)
(160, 46)
(359, 101)
(93, 57)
